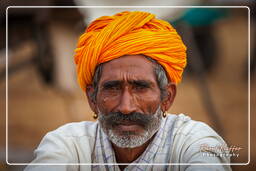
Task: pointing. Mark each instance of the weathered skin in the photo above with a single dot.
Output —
(128, 84)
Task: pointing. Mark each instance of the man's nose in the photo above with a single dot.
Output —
(127, 103)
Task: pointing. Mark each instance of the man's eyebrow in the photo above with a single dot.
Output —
(111, 83)
(143, 83)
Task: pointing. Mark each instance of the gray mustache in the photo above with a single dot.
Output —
(115, 118)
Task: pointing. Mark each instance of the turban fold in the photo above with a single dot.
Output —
(129, 33)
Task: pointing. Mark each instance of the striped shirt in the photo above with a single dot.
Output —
(84, 146)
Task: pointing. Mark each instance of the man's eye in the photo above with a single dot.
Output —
(140, 87)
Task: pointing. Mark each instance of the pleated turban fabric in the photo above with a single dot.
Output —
(129, 33)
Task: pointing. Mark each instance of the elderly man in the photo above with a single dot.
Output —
(128, 65)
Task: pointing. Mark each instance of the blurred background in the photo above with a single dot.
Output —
(43, 92)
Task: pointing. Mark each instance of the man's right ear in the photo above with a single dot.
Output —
(91, 101)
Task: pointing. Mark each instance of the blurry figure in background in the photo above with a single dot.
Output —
(197, 27)
(129, 65)
(164, 13)
(200, 23)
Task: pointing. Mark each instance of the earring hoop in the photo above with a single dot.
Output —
(164, 114)
(95, 116)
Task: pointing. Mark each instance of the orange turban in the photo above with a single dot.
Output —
(129, 33)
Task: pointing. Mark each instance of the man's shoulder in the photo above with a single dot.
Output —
(77, 129)
(184, 125)
(187, 131)
(70, 143)
(189, 136)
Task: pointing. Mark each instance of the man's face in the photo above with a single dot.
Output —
(128, 101)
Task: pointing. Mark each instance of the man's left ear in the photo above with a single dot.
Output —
(169, 97)
(91, 101)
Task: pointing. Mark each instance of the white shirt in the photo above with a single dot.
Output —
(179, 140)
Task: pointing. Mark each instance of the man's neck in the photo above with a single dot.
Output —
(128, 155)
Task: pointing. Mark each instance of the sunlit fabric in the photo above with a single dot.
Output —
(129, 33)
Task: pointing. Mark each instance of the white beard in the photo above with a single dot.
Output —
(130, 140)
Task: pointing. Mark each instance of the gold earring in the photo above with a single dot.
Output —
(95, 116)
(164, 114)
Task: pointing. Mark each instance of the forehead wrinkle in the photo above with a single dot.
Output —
(128, 68)
(129, 81)
(125, 75)
(127, 78)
